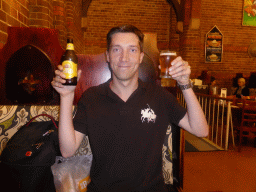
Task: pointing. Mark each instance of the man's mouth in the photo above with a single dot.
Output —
(124, 66)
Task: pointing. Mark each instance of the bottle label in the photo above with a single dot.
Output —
(70, 69)
(70, 46)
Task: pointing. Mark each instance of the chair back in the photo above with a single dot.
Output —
(247, 126)
(95, 71)
(248, 114)
(252, 92)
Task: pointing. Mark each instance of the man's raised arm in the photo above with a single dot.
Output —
(194, 121)
(69, 139)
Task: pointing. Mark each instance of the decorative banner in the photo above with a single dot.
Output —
(249, 13)
(214, 45)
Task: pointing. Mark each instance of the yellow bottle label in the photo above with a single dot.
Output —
(70, 69)
(83, 184)
(70, 46)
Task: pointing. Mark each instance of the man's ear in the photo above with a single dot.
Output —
(141, 56)
(107, 56)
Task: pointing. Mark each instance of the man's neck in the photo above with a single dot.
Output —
(124, 89)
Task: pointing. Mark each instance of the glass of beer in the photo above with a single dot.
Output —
(166, 57)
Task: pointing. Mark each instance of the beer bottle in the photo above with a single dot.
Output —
(69, 63)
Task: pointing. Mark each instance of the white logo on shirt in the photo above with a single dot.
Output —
(148, 114)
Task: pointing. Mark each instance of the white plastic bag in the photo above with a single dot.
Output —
(72, 174)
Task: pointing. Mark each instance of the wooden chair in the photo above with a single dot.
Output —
(247, 127)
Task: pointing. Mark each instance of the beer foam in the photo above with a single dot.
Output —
(170, 54)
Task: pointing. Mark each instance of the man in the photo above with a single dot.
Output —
(242, 91)
(126, 119)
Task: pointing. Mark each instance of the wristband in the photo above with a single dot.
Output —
(187, 86)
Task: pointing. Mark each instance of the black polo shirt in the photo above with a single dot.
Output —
(126, 138)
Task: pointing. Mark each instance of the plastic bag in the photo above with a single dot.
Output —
(72, 174)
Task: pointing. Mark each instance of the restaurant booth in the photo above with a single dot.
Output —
(27, 64)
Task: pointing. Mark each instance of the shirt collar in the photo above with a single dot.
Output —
(105, 88)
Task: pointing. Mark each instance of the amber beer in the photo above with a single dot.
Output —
(166, 57)
(69, 63)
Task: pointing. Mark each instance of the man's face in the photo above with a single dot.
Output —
(240, 83)
(124, 56)
(214, 83)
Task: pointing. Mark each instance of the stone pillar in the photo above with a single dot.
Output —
(70, 18)
(190, 40)
(85, 6)
(41, 14)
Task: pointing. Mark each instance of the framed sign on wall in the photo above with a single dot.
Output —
(249, 13)
(214, 45)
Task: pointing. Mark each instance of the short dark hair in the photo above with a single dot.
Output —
(212, 79)
(125, 29)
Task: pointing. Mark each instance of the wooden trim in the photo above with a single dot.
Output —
(177, 8)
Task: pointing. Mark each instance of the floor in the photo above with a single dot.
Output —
(221, 171)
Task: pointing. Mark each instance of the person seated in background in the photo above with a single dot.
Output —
(205, 77)
(242, 91)
(213, 87)
(252, 80)
(235, 79)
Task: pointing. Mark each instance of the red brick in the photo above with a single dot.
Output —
(14, 13)
(6, 7)
(36, 9)
(12, 21)
(3, 27)
(2, 16)
(23, 2)
(3, 36)
(20, 17)
(44, 3)
(24, 10)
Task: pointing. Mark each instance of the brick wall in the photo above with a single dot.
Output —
(64, 15)
(41, 13)
(75, 25)
(148, 16)
(12, 13)
(227, 15)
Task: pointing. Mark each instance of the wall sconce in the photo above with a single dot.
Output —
(252, 50)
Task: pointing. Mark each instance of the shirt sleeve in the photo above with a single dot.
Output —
(175, 111)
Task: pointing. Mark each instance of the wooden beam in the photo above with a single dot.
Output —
(85, 6)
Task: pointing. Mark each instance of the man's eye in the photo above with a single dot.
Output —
(133, 50)
(115, 50)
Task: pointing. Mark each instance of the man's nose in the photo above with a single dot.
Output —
(125, 56)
